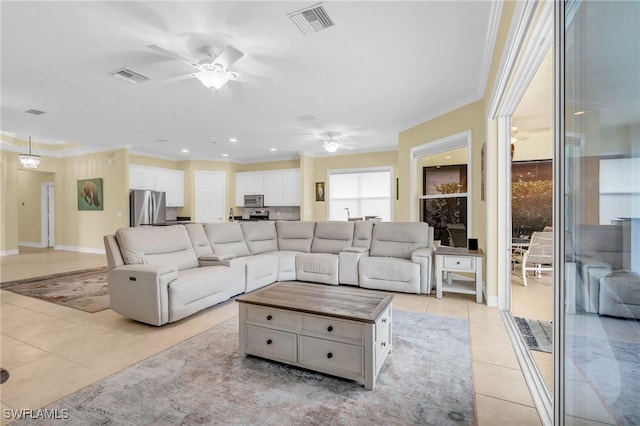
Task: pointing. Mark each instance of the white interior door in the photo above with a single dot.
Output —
(210, 197)
(47, 215)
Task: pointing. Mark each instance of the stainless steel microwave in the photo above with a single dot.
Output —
(254, 200)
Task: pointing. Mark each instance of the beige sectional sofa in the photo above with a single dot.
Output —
(160, 275)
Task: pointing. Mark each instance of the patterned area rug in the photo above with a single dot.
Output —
(537, 334)
(426, 380)
(86, 290)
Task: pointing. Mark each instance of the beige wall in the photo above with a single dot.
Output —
(469, 117)
(30, 204)
(85, 229)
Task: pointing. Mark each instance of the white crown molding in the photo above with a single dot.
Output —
(490, 44)
(317, 154)
(67, 153)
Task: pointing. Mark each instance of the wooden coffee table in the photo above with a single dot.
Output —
(345, 332)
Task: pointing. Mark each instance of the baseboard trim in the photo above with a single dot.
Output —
(9, 252)
(492, 301)
(32, 244)
(539, 392)
(80, 249)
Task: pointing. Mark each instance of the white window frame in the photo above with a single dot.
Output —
(449, 143)
(360, 170)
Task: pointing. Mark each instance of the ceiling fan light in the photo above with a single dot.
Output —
(331, 146)
(212, 79)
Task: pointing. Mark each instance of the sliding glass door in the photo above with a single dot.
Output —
(598, 356)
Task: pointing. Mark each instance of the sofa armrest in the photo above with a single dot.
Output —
(140, 292)
(421, 252)
(216, 259)
(355, 249)
(424, 258)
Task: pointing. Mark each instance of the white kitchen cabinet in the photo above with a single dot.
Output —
(171, 182)
(141, 178)
(291, 187)
(273, 184)
(254, 183)
(159, 179)
(240, 179)
(280, 187)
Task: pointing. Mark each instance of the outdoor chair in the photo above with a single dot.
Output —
(537, 257)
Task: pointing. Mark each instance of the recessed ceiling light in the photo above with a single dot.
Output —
(447, 157)
(225, 155)
(273, 149)
(233, 140)
(186, 151)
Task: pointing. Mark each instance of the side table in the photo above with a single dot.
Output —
(457, 259)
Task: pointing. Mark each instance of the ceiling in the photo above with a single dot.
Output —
(384, 67)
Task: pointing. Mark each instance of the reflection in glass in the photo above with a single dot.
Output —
(602, 213)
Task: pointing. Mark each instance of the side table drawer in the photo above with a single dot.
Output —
(270, 317)
(459, 263)
(272, 344)
(340, 359)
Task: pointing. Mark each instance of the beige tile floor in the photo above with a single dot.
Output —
(52, 351)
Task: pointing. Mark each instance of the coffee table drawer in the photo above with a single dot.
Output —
(273, 344)
(340, 359)
(333, 329)
(270, 317)
(459, 263)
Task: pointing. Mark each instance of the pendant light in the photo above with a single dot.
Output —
(29, 161)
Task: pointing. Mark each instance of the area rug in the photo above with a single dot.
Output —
(537, 334)
(426, 380)
(86, 290)
(612, 367)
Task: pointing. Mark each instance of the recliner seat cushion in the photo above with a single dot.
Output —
(317, 267)
(167, 245)
(389, 273)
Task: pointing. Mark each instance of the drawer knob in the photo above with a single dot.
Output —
(330, 328)
(384, 320)
(269, 342)
(329, 355)
(269, 317)
(383, 344)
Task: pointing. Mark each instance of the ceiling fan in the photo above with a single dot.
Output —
(213, 72)
(517, 135)
(330, 144)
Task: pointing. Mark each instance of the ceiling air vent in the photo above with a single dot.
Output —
(34, 111)
(130, 76)
(312, 19)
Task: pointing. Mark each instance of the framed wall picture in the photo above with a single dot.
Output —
(319, 191)
(90, 196)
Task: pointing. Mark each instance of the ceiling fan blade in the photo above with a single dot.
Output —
(225, 92)
(179, 78)
(171, 54)
(228, 56)
(349, 147)
(520, 138)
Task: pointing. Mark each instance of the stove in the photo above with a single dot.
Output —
(259, 215)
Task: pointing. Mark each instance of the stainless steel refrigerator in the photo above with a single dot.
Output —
(147, 208)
